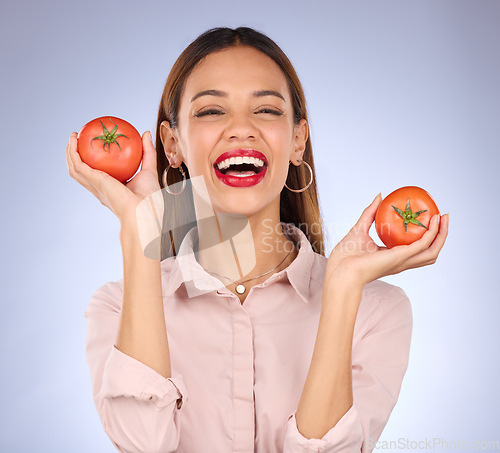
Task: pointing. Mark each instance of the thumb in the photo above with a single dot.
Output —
(368, 216)
(149, 153)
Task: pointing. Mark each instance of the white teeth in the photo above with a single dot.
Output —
(240, 160)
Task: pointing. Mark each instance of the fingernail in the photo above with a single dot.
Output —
(150, 136)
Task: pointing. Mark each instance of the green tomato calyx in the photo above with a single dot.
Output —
(408, 216)
(108, 137)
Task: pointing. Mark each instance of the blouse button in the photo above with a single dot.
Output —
(179, 403)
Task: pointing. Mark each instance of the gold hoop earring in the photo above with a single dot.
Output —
(164, 179)
(308, 184)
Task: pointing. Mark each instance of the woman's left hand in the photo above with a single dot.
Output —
(359, 259)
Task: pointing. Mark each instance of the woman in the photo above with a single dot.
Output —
(271, 346)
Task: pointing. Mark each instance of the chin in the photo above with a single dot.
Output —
(247, 205)
(253, 200)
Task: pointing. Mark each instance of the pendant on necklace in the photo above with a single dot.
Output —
(240, 289)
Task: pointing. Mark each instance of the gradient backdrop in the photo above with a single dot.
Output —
(399, 93)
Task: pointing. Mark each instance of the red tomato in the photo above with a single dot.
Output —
(404, 216)
(112, 145)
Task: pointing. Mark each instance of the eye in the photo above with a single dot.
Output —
(208, 112)
(270, 111)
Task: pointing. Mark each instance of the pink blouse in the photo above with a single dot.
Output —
(238, 370)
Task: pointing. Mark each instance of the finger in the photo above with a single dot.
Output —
(80, 168)
(368, 216)
(73, 159)
(431, 245)
(76, 166)
(149, 153)
(80, 171)
(69, 161)
(441, 236)
(87, 185)
(426, 240)
(430, 255)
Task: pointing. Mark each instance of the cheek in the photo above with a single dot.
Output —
(196, 147)
(280, 134)
(280, 138)
(281, 168)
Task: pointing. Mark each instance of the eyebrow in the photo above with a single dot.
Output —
(258, 93)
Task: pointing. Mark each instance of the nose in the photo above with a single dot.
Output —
(241, 127)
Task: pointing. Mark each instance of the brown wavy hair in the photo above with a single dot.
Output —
(301, 209)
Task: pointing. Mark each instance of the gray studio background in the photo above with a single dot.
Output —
(399, 93)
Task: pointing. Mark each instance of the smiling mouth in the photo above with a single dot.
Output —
(240, 166)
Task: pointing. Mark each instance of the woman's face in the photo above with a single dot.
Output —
(236, 105)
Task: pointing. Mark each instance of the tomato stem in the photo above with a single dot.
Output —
(108, 137)
(408, 216)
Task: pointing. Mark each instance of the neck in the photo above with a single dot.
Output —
(240, 248)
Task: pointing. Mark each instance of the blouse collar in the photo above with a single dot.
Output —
(188, 272)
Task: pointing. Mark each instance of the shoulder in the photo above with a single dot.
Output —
(375, 292)
(385, 312)
(384, 297)
(109, 296)
(379, 298)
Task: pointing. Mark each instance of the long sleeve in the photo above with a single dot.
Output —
(379, 362)
(140, 410)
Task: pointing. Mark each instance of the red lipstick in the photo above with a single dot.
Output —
(241, 152)
(241, 181)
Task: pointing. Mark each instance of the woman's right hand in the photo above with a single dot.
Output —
(121, 198)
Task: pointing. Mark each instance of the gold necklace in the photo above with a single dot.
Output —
(240, 287)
